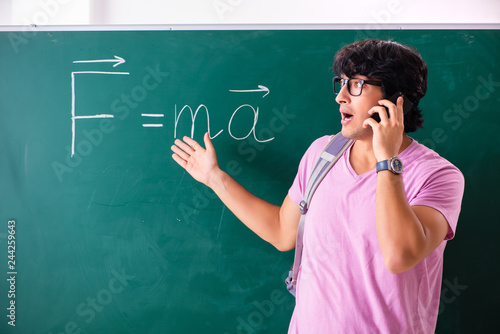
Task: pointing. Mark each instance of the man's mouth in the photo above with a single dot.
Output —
(346, 116)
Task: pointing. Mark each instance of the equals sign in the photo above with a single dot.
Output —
(152, 125)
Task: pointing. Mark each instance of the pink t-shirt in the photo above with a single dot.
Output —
(343, 284)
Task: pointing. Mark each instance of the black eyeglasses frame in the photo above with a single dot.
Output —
(343, 82)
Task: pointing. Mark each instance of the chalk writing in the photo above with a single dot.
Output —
(153, 120)
(74, 117)
(152, 125)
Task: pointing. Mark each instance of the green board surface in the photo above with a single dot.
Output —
(111, 236)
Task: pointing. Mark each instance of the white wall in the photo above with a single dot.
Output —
(46, 12)
(101, 12)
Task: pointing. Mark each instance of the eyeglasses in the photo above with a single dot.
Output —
(354, 86)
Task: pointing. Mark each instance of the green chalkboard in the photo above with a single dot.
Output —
(111, 236)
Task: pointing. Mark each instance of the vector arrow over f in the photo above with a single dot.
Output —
(117, 60)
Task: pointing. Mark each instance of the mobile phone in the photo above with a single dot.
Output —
(407, 105)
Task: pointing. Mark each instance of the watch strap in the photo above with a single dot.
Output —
(383, 165)
(394, 164)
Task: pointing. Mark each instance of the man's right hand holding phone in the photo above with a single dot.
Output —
(389, 131)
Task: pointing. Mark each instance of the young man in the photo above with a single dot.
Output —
(374, 234)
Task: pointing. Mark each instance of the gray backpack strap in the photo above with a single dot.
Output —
(332, 152)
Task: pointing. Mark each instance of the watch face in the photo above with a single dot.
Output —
(396, 165)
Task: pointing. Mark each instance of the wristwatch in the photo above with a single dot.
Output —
(393, 164)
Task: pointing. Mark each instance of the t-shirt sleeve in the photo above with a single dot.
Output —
(296, 191)
(443, 191)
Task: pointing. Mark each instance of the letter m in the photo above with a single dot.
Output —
(193, 119)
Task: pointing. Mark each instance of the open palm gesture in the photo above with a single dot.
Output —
(199, 162)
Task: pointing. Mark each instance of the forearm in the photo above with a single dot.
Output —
(260, 216)
(400, 233)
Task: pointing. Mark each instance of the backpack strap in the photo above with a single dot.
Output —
(328, 157)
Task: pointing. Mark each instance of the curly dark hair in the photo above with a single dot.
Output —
(400, 68)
